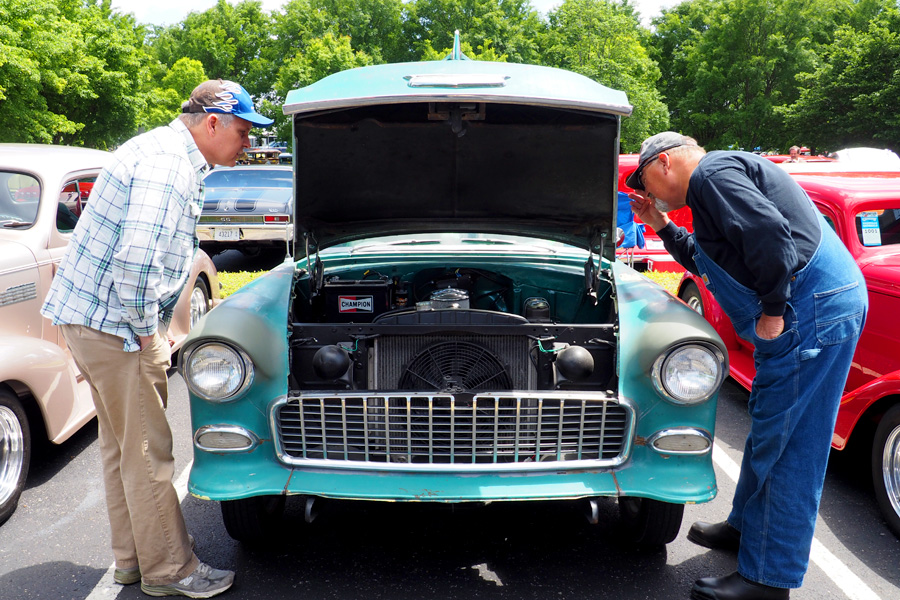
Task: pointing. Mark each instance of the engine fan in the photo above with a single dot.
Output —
(455, 366)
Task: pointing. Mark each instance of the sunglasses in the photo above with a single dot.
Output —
(647, 164)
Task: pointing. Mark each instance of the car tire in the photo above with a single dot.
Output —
(886, 467)
(15, 452)
(690, 293)
(199, 301)
(253, 520)
(650, 523)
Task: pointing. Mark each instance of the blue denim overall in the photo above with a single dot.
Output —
(800, 377)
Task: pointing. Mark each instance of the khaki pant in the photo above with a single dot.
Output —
(130, 393)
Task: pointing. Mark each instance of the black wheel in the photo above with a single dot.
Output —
(886, 467)
(199, 301)
(15, 452)
(253, 520)
(650, 522)
(691, 296)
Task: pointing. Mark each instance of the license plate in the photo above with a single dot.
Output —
(227, 235)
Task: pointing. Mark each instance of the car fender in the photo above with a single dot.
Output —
(202, 266)
(712, 311)
(51, 377)
(860, 401)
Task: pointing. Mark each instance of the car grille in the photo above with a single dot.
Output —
(422, 431)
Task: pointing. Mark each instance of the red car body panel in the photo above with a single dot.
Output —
(875, 372)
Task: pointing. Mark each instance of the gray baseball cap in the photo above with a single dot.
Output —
(652, 147)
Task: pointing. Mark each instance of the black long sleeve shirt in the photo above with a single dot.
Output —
(752, 219)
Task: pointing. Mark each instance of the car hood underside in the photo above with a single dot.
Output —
(502, 159)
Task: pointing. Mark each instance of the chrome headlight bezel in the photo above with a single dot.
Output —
(232, 357)
(663, 374)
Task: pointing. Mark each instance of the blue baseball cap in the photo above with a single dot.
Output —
(226, 97)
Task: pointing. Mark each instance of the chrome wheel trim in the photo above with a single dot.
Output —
(12, 453)
(199, 304)
(890, 468)
(696, 304)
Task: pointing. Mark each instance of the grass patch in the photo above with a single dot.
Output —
(666, 279)
(235, 280)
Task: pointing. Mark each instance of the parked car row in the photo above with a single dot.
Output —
(42, 394)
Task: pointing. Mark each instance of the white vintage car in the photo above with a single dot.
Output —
(43, 189)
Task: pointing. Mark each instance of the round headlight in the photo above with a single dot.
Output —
(689, 374)
(217, 372)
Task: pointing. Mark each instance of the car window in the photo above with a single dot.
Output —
(878, 227)
(72, 200)
(249, 178)
(20, 196)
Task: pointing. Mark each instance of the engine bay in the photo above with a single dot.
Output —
(451, 329)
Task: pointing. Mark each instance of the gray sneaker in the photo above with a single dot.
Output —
(204, 582)
(133, 575)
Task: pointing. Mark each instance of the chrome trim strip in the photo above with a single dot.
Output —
(18, 293)
(684, 432)
(254, 440)
(339, 103)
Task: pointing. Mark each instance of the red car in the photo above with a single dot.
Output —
(653, 256)
(864, 209)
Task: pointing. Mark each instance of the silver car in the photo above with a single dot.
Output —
(248, 208)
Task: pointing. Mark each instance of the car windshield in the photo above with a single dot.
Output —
(878, 227)
(249, 178)
(20, 195)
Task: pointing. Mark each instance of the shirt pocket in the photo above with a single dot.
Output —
(839, 314)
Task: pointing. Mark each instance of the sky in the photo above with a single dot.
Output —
(168, 12)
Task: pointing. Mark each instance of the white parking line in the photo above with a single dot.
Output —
(852, 586)
(106, 588)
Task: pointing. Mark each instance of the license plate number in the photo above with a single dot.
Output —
(227, 235)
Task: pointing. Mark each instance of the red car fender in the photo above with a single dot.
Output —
(711, 310)
(856, 403)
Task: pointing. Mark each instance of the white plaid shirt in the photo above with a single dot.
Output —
(131, 252)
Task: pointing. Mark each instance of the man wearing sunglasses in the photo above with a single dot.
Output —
(791, 288)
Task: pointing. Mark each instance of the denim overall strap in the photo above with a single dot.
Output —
(800, 376)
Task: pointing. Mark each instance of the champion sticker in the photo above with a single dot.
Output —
(353, 304)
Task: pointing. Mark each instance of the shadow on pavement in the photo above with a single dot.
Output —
(58, 580)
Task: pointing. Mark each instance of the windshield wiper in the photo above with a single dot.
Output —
(17, 224)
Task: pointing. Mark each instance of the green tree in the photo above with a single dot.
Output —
(512, 27)
(112, 67)
(729, 65)
(164, 101)
(228, 40)
(851, 99)
(322, 57)
(604, 41)
(70, 72)
(485, 52)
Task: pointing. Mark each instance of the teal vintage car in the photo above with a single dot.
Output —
(454, 326)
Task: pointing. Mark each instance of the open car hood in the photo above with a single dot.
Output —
(456, 145)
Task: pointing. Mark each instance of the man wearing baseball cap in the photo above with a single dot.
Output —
(127, 262)
(792, 289)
